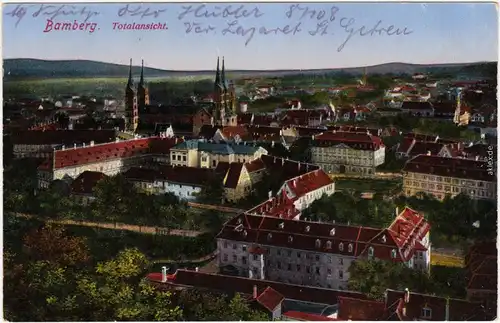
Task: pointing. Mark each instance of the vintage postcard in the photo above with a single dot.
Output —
(250, 161)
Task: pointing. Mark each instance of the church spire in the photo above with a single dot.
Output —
(223, 75)
(141, 82)
(217, 74)
(130, 81)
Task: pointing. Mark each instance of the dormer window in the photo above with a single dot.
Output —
(239, 221)
(318, 243)
(384, 239)
(370, 252)
(245, 233)
(393, 253)
(269, 236)
(332, 232)
(290, 239)
(341, 246)
(426, 313)
(349, 248)
(281, 225)
(308, 228)
(328, 245)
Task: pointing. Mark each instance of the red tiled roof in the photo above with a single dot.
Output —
(459, 310)
(231, 132)
(237, 284)
(255, 165)
(482, 266)
(302, 316)
(270, 299)
(329, 238)
(86, 181)
(449, 167)
(406, 144)
(423, 148)
(353, 140)
(355, 309)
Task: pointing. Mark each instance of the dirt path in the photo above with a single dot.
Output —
(117, 226)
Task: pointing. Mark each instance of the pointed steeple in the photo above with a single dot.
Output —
(130, 81)
(217, 75)
(223, 75)
(141, 82)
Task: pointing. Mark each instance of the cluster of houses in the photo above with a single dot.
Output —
(293, 268)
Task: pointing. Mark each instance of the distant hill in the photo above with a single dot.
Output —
(22, 68)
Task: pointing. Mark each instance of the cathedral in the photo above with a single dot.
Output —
(222, 111)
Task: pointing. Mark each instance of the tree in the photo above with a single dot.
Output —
(51, 244)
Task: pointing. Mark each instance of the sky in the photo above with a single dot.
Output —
(435, 33)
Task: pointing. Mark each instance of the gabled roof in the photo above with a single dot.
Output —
(237, 284)
(354, 140)
(303, 316)
(85, 182)
(355, 309)
(482, 266)
(233, 175)
(449, 167)
(270, 299)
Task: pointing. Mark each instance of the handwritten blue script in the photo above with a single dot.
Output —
(139, 11)
(50, 11)
(199, 19)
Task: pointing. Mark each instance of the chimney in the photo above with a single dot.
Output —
(477, 158)
(298, 166)
(282, 162)
(163, 274)
(74, 145)
(63, 147)
(83, 145)
(428, 152)
(92, 143)
(117, 139)
(196, 269)
(254, 291)
(270, 194)
(272, 144)
(447, 310)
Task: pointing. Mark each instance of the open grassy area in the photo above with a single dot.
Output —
(368, 185)
(447, 260)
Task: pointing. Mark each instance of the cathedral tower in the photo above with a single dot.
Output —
(142, 91)
(131, 113)
(224, 111)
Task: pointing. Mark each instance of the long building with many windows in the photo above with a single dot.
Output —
(317, 254)
(347, 152)
(441, 176)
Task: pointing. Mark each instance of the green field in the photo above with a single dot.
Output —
(368, 185)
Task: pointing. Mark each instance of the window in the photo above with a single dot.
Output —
(214, 163)
(244, 248)
(298, 267)
(225, 257)
(426, 313)
(341, 261)
(328, 245)
(244, 260)
(349, 248)
(329, 271)
(225, 244)
(341, 246)
(329, 259)
(289, 253)
(255, 257)
(341, 274)
(370, 252)
(298, 254)
(234, 246)
(279, 252)
(289, 267)
(184, 158)
(279, 264)
(308, 269)
(235, 258)
(317, 257)
(269, 237)
(393, 253)
(317, 270)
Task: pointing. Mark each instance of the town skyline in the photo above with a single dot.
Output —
(432, 38)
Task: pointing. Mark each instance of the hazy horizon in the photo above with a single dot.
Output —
(437, 33)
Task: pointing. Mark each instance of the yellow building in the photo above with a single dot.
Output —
(347, 152)
(441, 176)
(202, 154)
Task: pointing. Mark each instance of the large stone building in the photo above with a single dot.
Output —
(108, 158)
(441, 176)
(317, 254)
(200, 153)
(347, 152)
